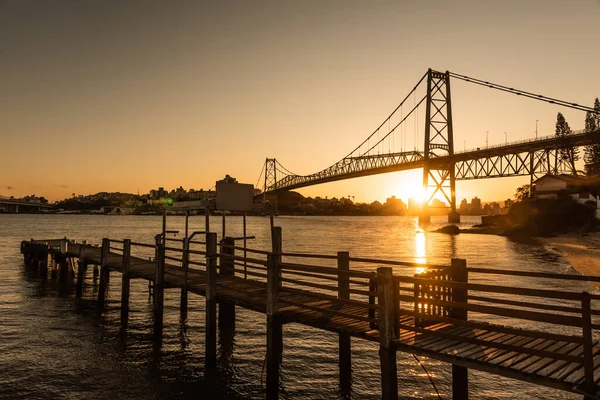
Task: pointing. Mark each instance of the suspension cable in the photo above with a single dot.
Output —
(398, 124)
(390, 116)
(530, 95)
(262, 170)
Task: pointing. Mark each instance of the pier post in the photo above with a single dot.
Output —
(460, 375)
(159, 294)
(64, 261)
(589, 386)
(274, 326)
(226, 318)
(43, 263)
(372, 299)
(125, 279)
(211, 302)
(345, 358)
(388, 327)
(81, 269)
(53, 266)
(226, 268)
(104, 273)
(185, 261)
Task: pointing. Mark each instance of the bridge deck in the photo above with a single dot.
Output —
(519, 354)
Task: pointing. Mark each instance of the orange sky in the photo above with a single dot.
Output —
(124, 95)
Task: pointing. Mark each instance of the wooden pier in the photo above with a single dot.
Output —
(438, 314)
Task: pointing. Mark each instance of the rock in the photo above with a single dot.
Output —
(450, 229)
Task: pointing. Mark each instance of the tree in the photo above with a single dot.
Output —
(567, 154)
(591, 155)
(523, 192)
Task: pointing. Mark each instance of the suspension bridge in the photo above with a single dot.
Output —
(441, 164)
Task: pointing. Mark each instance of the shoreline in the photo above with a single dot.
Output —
(582, 251)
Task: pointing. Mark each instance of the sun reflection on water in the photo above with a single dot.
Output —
(420, 252)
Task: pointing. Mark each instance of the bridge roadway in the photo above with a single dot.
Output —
(553, 360)
(510, 159)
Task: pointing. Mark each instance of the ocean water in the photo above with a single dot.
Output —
(53, 346)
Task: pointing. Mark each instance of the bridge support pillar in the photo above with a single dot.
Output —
(388, 330)
(454, 217)
(345, 355)
(424, 218)
(210, 358)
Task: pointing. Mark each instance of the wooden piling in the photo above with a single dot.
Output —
(226, 268)
(104, 273)
(274, 326)
(460, 375)
(43, 262)
(53, 267)
(344, 345)
(159, 293)
(125, 279)
(589, 386)
(185, 261)
(211, 302)
(387, 333)
(64, 261)
(81, 269)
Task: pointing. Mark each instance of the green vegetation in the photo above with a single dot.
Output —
(591, 155)
(568, 154)
(547, 217)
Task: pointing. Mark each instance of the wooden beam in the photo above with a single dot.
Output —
(211, 302)
(387, 333)
(125, 283)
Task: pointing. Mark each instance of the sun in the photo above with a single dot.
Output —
(420, 194)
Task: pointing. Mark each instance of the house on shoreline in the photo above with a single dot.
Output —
(581, 189)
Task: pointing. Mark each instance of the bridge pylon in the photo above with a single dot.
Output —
(270, 179)
(438, 175)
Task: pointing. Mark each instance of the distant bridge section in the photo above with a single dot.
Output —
(534, 157)
(16, 205)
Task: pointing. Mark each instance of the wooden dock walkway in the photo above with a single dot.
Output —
(438, 314)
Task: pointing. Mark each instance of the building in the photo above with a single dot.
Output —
(476, 205)
(548, 186)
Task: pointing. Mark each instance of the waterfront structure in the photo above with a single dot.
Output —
(439, 313)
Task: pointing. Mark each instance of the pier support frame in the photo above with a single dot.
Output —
(388, 331)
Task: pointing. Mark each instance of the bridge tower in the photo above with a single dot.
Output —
(270, 178)
(439, 141)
